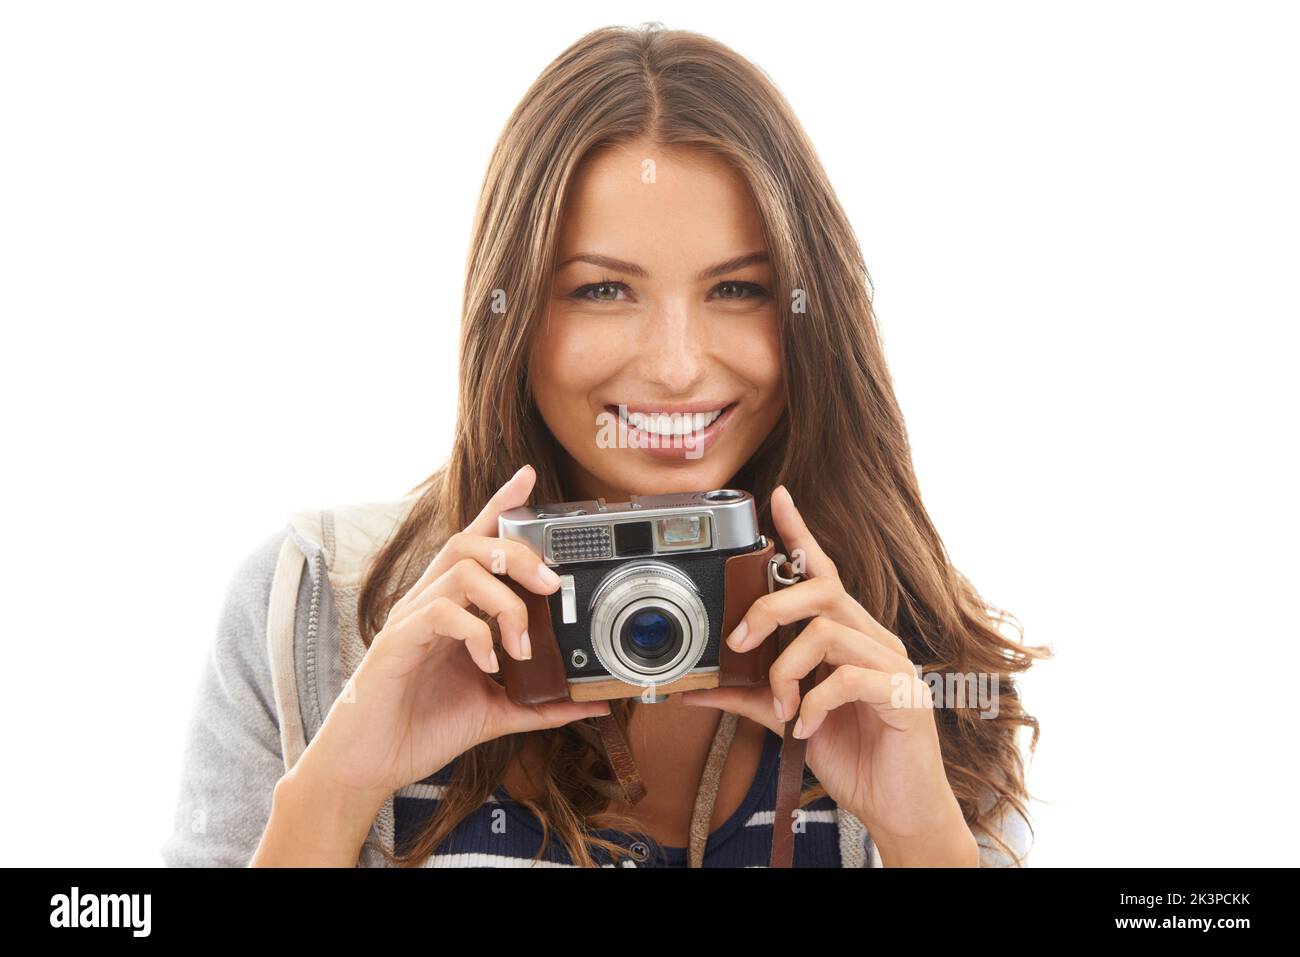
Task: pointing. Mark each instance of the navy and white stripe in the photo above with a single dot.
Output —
(503, 833)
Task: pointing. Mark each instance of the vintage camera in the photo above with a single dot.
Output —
(649, 589)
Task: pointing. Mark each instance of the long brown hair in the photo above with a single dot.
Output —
(841, 447)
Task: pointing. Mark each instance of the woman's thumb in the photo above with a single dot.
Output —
(511, 495)
(553, 714)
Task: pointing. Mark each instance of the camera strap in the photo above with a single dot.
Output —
(789, 775)
(619, 755)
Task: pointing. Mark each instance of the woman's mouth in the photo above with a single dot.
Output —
(672, 433)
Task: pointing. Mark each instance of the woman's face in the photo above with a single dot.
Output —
(657, 366)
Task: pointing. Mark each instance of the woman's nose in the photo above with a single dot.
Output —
(675, 354)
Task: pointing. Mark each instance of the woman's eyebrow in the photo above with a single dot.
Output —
(731, 265)
(632, 269)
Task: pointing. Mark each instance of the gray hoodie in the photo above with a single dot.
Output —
(233, 756)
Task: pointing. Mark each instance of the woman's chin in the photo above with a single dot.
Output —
(668, 478)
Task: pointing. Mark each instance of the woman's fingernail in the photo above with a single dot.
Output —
(737, 638)
(521, 471)
(547, 576)
(492, 660)
(798, 728)
(776, 706)
(525, 646)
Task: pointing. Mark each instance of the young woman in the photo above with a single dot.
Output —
(657, 244)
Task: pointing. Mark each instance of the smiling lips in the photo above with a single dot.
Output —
(680, 432)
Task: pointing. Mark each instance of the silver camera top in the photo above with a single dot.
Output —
(645, 526)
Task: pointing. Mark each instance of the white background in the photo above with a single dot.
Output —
(232, 242)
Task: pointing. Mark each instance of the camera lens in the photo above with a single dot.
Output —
(649, 633)
(649, 623)
(651, 637)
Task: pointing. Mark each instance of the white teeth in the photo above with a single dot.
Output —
(672, 423)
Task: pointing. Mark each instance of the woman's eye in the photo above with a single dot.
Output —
(599, 291)
(739, 290)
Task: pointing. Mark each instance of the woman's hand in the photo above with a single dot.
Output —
(422, 695)
(879, 760)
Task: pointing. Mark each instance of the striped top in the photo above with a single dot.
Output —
(504, 833)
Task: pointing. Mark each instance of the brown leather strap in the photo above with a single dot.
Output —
(789, 778)
(620, 758)
(707, 793)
